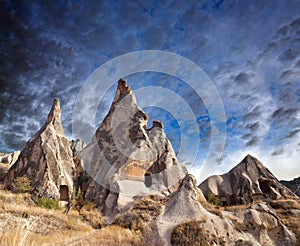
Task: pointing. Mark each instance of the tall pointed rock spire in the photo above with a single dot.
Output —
(125, 159)
(46, 160)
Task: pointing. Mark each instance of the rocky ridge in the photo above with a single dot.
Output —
(133, 176)
(248, 181)
(293, 185)
(253, 225)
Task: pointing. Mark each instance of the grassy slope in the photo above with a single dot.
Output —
(23, 223)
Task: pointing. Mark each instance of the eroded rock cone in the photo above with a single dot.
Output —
(46, 160)
(127, 160)
(186, 220)
(248, 181)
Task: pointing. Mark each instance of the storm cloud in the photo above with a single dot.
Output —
(249, 49)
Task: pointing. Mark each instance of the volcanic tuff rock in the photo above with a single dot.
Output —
(127, 160)
(47, 160)
(77, 145)
(9, 158)
(255, 225)
(248, 181)
(293, 185)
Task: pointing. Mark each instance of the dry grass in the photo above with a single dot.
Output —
(285, 204)
(192, 233)
(288, 211)
(237, 208)
(23, 223)
(113, 236)
(92, 216)
(150, 204)
(217, 210)
(213, 209)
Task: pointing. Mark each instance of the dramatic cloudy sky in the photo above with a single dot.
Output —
(249, 49)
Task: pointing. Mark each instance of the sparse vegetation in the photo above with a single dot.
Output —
(21, 185)
(48, 203)
(91, 215)
(192, 233)
(33, 225)
(136, 219)
(213, 199)
(289, 212)
(285, 204)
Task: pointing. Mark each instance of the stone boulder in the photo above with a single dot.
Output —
(248, 181)
(9, 158)
(46, 160)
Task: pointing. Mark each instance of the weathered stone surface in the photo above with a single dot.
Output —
(125, 159)
(77, 145)
(255, 225)
(9, 158)
(47, 160)
(293, 185)
(246, 182)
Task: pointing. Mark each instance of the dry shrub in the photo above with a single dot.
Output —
(192, 233)
(21, 185)
(237, 208)
(137, 219)
(213, 199)
(289, 217)
(143, 211)
(133, 221)
(285, 204)
(93, 217)
(17, 235)
(151, 204)
(213, 209)
(114, 235)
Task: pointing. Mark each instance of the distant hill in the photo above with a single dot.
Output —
(246, 182)
(293, 185)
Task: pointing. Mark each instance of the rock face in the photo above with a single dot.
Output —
(47, 160)
(248, 181)
(77, 145)
(9, 158)
(255, 225)
(293, 185)
(127, 160)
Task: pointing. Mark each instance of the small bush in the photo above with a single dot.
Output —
(285, 204)
(45, 202)
(21, 185)
(91, 215)
(191, 233)
(213, 199)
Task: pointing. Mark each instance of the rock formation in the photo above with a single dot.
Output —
(293, 185)
(248, 181)
(255, 225)
(127, 160)
(9, 158)
(46, 160)
(77, 145)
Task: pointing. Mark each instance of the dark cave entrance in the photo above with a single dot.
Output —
(148, 179)
(265, 186)
(64, 193)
